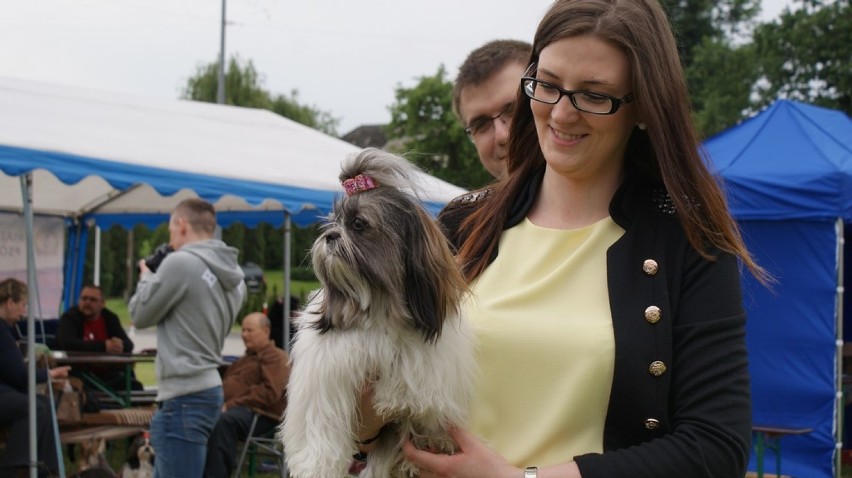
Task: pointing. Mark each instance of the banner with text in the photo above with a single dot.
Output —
(49, 247)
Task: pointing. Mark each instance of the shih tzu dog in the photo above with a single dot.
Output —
(387, 316)
(140, 458)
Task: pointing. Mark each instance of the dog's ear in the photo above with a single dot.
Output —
(433, 283)
(133, 452)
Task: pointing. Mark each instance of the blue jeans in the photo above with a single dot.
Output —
(179, 432)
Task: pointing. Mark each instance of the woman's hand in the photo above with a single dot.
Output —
(59, 372)
(473, 460)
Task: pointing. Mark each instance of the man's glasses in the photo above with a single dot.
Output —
(85, 298)
(485, 124)
(586, 101)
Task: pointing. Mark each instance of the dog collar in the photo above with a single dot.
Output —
(359, 183)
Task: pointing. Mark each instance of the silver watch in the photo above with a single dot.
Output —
(531, 472)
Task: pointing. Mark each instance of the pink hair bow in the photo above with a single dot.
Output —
(359, 183)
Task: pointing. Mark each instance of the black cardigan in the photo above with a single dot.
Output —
(70, 333)
(680, 403)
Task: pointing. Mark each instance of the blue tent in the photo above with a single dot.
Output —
(788, 175)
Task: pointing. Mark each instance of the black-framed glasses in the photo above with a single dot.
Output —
(584, 100)
(485, 124)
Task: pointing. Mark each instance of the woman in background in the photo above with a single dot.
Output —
(14, 411)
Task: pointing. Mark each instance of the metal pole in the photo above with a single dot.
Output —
(97, 278)
(220, 90)
(26, 190)
(287, 234)
(840, 402)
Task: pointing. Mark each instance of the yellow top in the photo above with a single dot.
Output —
(546, 348)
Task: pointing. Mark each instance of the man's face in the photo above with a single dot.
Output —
(91, 302)
(478, 103)
(254, 336)
(177, 231)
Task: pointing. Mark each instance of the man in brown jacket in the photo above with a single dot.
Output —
(254, 384)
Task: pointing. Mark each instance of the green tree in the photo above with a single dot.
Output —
(697, 21)
(426, 130)
(806, 55)
(720, 79)
(244, 87)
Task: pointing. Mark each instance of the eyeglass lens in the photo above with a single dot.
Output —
(587, 101)
(484, 125)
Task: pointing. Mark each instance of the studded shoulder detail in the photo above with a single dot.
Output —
(472, 197)
(665, 204)
(663, 201)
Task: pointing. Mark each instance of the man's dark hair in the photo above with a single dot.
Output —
(486, 61)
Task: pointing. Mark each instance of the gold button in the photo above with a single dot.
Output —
(657, 368)
(653, 314)
(652, 423)
(650, 267)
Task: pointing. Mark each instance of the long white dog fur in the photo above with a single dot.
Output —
(388, 316)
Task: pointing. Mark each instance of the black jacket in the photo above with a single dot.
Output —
(13, 370)
(70, 333)
(680, 402)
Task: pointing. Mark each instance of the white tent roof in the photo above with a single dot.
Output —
(99, 152)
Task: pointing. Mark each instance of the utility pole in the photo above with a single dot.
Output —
(220, 90)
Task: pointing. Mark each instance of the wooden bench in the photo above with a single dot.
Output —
(108, 424)
(769, 438)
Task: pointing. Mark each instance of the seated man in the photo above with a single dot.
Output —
(90, 327)
(254, 384)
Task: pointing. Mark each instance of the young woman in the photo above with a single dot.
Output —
(604, 271)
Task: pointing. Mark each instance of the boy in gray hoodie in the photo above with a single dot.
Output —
(192, 298)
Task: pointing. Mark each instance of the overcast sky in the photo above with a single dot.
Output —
(342, 56)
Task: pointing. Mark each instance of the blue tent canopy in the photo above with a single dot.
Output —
(102, 158)
(788, 175)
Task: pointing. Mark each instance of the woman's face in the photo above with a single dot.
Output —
(14, 311)
(579, 145)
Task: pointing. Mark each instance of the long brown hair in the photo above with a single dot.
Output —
(668, 151)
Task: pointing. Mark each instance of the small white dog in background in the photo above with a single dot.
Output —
(388, 315)
(140, 458)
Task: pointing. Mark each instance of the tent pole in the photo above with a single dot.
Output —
(841, 399)
(287, 237)
(97, 264)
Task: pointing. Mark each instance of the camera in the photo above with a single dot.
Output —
(153, 261)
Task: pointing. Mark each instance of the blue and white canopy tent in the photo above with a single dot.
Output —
(100, 158)
(788, 174)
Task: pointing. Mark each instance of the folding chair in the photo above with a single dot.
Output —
(264, 445)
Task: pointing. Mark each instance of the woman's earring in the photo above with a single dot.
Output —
(642, 126)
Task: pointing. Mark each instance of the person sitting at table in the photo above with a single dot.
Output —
(91, 327)
(253, 385)
(14, 414)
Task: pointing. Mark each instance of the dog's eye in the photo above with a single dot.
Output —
(359, 224)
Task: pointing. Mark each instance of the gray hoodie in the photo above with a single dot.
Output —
(193, 299)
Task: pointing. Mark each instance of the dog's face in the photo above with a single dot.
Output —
(140, 452)
(381, 254)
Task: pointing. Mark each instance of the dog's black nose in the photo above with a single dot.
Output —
(332, 236)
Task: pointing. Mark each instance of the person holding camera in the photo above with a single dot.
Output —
(192, 298)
